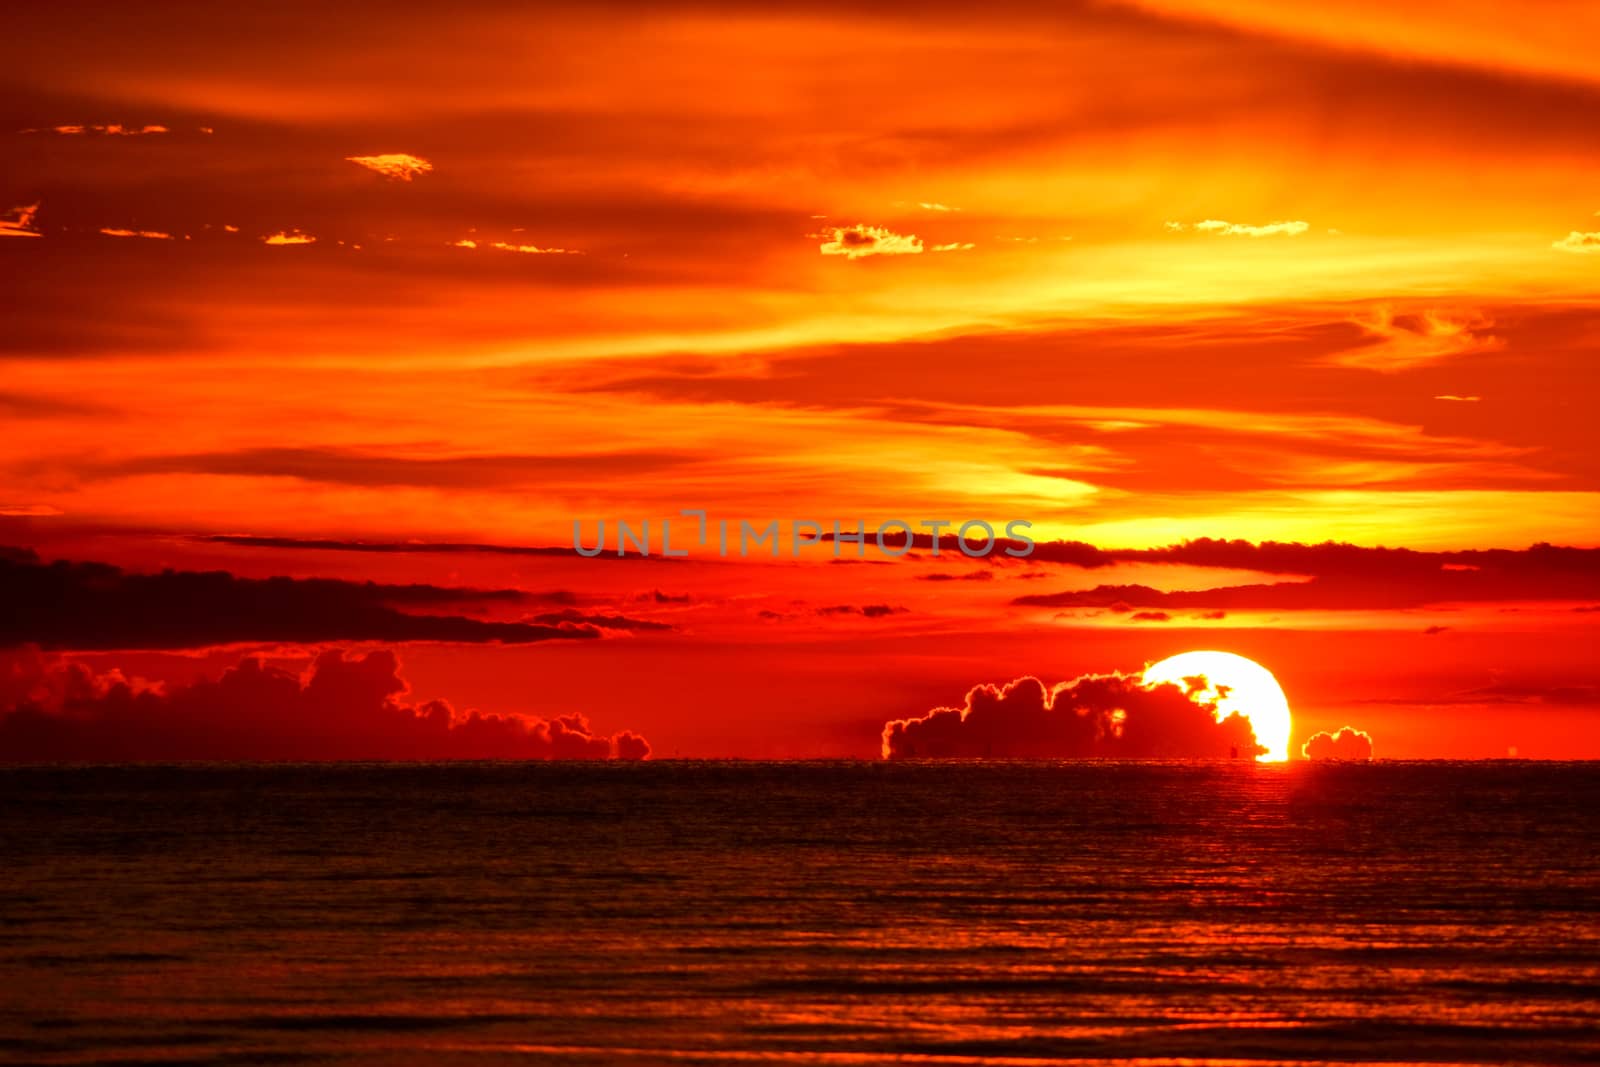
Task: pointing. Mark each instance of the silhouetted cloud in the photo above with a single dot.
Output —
(339, 545)
(342, 708)
(1574, 695)
(1348, 577)
(1347, 743)
(1093, 716)
(604, 622)
(871, 611)
(68, 605)
(351, 467)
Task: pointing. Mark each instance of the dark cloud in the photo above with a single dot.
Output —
(342, 708)
(371, 469)
(1350, 577)
(1074, 552)
(1576, 695)
(420, 547)
(1150, 616)
(1347, 743)
(67, 605)
(605, 622)
(871, 611)
(1093, 716)
(970, 576)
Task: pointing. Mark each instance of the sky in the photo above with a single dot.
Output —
(379, 299)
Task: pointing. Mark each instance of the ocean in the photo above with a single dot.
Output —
(830, 913)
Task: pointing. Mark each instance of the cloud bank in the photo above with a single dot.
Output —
(68, 605)
(1092, 716)
(341, 708)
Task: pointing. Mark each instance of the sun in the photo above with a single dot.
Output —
(1237, 685)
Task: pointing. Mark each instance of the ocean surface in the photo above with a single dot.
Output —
(826, 913)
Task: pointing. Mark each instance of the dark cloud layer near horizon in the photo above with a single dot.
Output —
(71, 605)
(343, 708)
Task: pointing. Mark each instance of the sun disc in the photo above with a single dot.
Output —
(1236, 684)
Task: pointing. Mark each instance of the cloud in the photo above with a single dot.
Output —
(1580, 243)
(341, 708)
(1399, 342)
(1150, 616)
(531, 250)
(1347, 744)
(67, 605)
(289, 237)
(969, 576)
(396, 166)
(154, 235)
(334, 545)
(35, 511)
(1574, 695)
(604, 622)
(340, 466)
(18, 222)
(115, 129)
(1292, 228)
(954, 246)
(871, 611)
(1458, 399)
(1347, 577)
(854, 242)
(1093, 716)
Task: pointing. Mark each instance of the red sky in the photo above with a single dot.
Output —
(1137, 273)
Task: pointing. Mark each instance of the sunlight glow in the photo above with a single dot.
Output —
(1236, 684)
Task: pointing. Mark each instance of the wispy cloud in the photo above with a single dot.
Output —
(115, 129)
(855, 242)
(289, 237)
(1397, 342)
(1459, 399)
(532, 250)
(1579, 242)
(396, 166)
(18, 222)
(1289, 228)
(154, 235)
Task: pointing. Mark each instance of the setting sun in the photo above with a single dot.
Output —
(1235, 684)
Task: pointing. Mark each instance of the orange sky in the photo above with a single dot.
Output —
(1137, 273)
